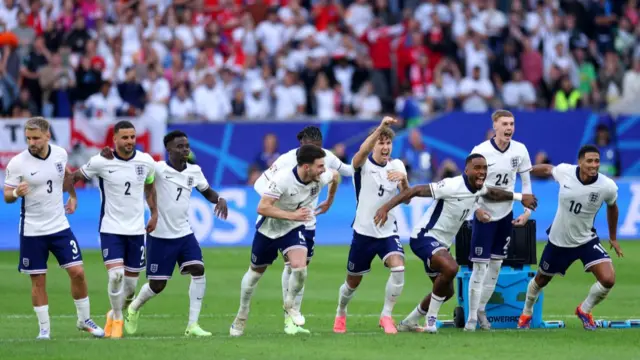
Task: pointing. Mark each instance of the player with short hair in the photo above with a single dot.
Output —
(284, 209)
(490, 241)
(582, 190)
(36, 177)
(125, 182)
(432, 236)
(377, 179)
(309, 135)
(173, 240)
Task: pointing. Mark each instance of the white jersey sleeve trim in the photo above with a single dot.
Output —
(84, 174)
(10, 185)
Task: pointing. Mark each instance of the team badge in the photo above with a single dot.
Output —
(514, 162)
(190, 181)
(435, 244)
(140, 172)
(314, 190)
(545, 265)
(594, 197)
(351, 266)
(60, 168)
(478, 250)
(254, 258)
(25, 262)
(105, 253)
(440, 184)
(153, 268)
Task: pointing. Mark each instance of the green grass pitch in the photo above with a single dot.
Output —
(163, 320)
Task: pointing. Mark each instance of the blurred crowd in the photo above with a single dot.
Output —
(218, 59)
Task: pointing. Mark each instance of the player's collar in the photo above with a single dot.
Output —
(115, 154)
(170, 165)
(468, 184)
(295, 173)
(495, 145)
(374, 162)
(42, 158)
(588, 182)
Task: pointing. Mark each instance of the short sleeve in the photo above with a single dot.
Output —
(525, 164)
(93, 167)
(482, 191)
(13, 175)
(152, 172)
(326, 178)
(444, 189)
(201, 182)
(398, 165)
(275, 189)
(612, 193)
(560, 170)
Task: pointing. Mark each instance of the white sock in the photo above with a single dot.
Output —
(415, 316)
(83, 309)
(143, 296)
(489, 283)
(434, 305)
(130, 284)
(116, 291)
(393, 290)
(286, 274)
(296, 283)
(196, 294)
(346, 293)
(42, 312)
(475, 289)
(597, 293)
(532, 295)
(297, 302)
(247, 286)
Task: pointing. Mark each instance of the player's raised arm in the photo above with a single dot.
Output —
(542, 170)
(528, 200)
(331, 193)
(417, 191)
(367, 146)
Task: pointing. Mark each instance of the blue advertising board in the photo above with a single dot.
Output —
(333, 227)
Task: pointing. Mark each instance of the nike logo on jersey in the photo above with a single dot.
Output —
(168, 177)
(112, 171)
(489, 165)
(33, 173)
(566, 187)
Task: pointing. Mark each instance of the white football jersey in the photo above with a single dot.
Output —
(453, 202)
(292, 194)
(174, 188)
(121, 191)
(288, 160)
(578, 204)
(501, 172)
(42, 210)
(372, 191)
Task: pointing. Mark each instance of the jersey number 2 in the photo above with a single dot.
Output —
(502, 180)
(128, 187)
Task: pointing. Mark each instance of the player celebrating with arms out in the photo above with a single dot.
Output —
(283, 210)
(572, 236)
(434, 233)
(36, 177)
(490, 240)
(377, 179)
(122, 184)
(313, 136)
(173, 240)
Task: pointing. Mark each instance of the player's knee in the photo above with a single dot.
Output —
(38, 281)
(157, 285)
(76, 274)
(353, 281)
(195, 270)
(116, 275)
(542, 280)
(449, 270)
(395, 261)
(608, 281)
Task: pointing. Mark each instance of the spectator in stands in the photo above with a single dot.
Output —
(567, 97)
(181, 106)
(587, 73)
(24, 102)
(269, 152)
(105, 104)
(132, 92)
(324, 98)
(609, 157)
(366, 103)
(158, 94)
(418, 160)
(475, 93)
(253, 175)
(290, 97)
(210, 100)
(542, 158)
(439, 96)
(257, 101)
(57, 79)
(25, 33)
(340, 151)
(610, 79)
(448, 169)
(629, 103)
(518, 93)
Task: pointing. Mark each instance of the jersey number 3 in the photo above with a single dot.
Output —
(49, 186)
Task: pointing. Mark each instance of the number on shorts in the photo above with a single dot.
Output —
(502, 179)
(575, 207)
(141, 254)
(506, 246)
(380, 191)
(600, 248)
(465, 213)
(74, 247)
(301, 236)
(50, 185)
(397, 239)
(179, 193)
(128, 187)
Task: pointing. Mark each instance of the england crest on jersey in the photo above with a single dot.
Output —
(594, 197)
(190, 182)
(60, 168)
(514, 162)
(314, 190)
(140, 172)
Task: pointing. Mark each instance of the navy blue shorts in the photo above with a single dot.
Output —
(555, 260)
(264, 250)
(490, 240)
(34, 251)
(310, 239)
(123, 248)
(365, 248)
(164, 254)
(425, 247)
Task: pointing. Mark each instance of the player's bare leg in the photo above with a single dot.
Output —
(533, 290)
(247, 287)
(605, 280)
(393, 289)
(447, 268)
(346, 293)
(40, 301)
(81, 299)
(298, 262)
(488, 287)
(115, 287)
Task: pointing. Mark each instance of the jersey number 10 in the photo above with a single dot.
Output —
(575, 207)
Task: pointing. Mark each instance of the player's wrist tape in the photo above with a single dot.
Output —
(15, 193)
(517, 196)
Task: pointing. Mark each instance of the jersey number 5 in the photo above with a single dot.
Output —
(380, 191)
